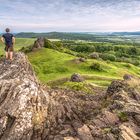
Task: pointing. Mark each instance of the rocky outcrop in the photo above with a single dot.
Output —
(30, 111)
(39, 43)
(23, 103)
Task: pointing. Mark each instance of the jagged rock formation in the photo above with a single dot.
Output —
(39, 43)
(22, 101)
(30, 111)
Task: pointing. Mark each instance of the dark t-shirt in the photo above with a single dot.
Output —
(8, 38)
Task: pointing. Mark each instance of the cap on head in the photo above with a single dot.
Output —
(7, 30)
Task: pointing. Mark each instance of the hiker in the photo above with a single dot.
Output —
(9, 40)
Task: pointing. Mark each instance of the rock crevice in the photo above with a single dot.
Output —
(30, 111)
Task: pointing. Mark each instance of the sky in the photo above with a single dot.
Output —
(70, 15)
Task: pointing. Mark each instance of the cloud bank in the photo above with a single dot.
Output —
(70, 15)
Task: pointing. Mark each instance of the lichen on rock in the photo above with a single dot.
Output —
(31, 111)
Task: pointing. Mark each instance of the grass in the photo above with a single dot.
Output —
(20, 42)
(51, 65)
(79, 86)
(123, 116)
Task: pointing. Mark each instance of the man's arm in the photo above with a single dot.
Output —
(2, 39)
(13, 40)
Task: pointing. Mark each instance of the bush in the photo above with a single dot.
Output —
(132, 51)
(83, 48)
(127, 65)
(81, 55)
(135, 62)
(110, 57)
(128, 60)
(26, 49)
(52, 45)
(123, 116)
(58, 44)
(79, 87)
(104, 48)
(69, 52)
(96, 66)
(94, 55)
(120, 54)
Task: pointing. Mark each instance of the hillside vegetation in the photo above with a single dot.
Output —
(58, 60)
(103, 61)
(32, 111)
(119, 37)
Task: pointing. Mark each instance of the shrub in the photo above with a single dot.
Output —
(26, 49)
(127, 65)
(69, 52)
(104, 48)
(83, 48)
(94, 55)
(81, 55)
(120, 54)
(132, 51)
(128, 60)
(58, 44)
(110, 57)
(96, 66)
(79, 86)
(135, 62)
(52, 45)
(123, 116)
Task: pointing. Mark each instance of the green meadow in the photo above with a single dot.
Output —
(55, 65)
(51, 65)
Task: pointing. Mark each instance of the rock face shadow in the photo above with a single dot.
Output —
(31, 111)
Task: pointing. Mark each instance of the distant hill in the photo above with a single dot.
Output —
(126, 33)
(56, 35)
(79, 35)
(119, 37)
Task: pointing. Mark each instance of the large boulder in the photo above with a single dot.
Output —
(39, 43)
(81, 59)
(127, 77)
(77, 78)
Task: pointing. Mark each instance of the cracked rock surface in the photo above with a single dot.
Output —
(31, 111)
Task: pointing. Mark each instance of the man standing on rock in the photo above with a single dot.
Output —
(9, 40)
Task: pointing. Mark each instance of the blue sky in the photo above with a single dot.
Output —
(70, 15)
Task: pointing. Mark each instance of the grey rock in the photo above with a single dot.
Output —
(39, 43)
(31, 111)
(127, 77)
(77, 78)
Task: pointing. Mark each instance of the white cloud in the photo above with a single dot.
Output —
(72, 15)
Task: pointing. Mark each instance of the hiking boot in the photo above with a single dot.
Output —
(5, 61)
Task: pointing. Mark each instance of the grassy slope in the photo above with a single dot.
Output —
(51, 65)
(20, 42)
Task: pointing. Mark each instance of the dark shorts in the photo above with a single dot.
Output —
(9, 48)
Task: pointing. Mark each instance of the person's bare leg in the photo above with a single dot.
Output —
(11, 55)
(7, 55)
